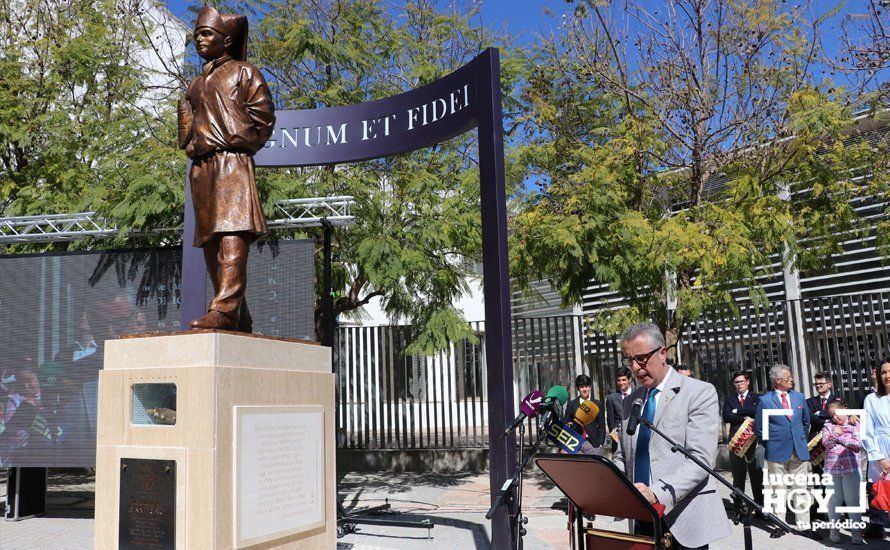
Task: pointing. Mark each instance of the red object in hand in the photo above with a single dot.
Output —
(881, 491)
(659, 508)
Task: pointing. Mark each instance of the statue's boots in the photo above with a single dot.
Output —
(226, 260)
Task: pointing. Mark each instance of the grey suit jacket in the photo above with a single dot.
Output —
(613, 410)
(687, 412)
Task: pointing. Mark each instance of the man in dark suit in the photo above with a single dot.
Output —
(818, 404)
(595, 430)
(615, 402)
(737, 406)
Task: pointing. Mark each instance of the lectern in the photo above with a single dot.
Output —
(594, 485)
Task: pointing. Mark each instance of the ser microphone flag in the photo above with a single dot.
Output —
(636, 409)
(567, 439)
(586, 413)
(528, 408)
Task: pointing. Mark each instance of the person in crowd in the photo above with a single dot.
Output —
(138, 323)
(818, 404)
(877, 436)
(818, 410)
(100, 320)
(786, 448)
(105, 319)
(684, 370)
(842, 445)
(24, 424)
(687, 411)
(595, 431)
(615, 402)
(737, 406)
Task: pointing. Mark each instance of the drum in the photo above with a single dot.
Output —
(743, 439)
(817, 450)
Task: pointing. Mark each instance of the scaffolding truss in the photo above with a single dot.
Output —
(289, 214)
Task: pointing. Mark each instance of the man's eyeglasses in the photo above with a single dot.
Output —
(820, 384)
(640, 359)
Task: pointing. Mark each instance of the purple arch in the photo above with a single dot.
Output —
(468, 98)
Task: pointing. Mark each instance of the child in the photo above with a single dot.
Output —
(842, 445)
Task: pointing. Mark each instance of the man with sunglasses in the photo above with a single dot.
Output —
(687, 411)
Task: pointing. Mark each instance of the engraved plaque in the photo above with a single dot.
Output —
(279, 472)
(147, 504)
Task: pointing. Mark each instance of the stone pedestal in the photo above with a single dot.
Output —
(249, 457)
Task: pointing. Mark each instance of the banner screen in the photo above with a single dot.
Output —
(56, 311)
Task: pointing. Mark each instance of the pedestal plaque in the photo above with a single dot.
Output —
(279, 472)
(147, 504)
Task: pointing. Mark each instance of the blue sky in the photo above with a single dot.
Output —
(526, 18)
(522, 17)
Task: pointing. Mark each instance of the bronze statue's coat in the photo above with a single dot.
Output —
(232, 119)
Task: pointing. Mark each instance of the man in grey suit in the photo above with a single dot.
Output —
(686, 410)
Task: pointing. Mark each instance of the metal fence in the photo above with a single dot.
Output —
(390, 400)
(848, 337)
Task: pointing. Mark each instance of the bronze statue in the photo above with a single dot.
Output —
(226, 117)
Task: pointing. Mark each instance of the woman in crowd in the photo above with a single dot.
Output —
(877, 439)
(842, 446)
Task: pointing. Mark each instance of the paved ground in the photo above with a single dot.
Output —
(69, 522)
(456, 504)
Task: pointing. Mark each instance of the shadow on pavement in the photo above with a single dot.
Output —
(479, 536)
(401, 483)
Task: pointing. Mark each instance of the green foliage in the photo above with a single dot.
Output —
(73, 137)
(417, 215)
(76, 132)
(665, 178)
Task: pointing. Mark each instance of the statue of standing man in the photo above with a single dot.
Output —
(226, 117)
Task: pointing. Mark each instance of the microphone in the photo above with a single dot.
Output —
(564, 437)
(586, 413)
(528, 408)
(553, 401)
(636, 410)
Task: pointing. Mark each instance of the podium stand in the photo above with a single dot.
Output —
(594, 485)
(215, 440)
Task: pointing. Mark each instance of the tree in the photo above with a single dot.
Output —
(667, 140)
(418, 226)
(864, 56)
(86, 120)
(417, 215)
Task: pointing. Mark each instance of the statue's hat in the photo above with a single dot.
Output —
(229, 24)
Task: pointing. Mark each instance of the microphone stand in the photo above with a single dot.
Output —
(745, 505)
(505, 496)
